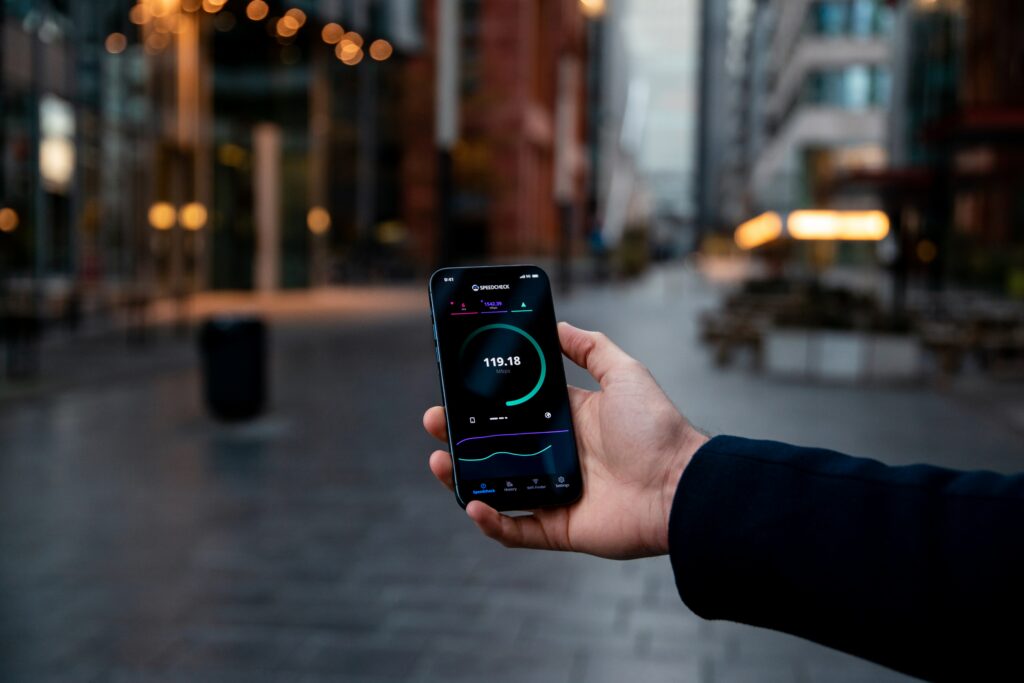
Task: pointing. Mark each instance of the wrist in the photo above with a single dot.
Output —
(688, 447)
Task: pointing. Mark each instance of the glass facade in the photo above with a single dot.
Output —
(856, 86)
(850, 18)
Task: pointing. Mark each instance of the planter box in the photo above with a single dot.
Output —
(894, 357)
(840, 357)
(837, 356)
(787, 352)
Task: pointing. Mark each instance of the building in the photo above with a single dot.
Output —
(729, 114)
(652, 80)
(956, 148)
(171, 146)
(520, 165)
(828, 90)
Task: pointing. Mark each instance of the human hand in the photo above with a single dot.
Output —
(633, 446)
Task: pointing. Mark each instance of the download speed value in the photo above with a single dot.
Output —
(502, 361)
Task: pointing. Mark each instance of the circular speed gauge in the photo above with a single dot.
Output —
(503, 363)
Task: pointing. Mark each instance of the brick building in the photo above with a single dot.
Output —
(522, 110)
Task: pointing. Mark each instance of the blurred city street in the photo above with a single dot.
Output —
(806, 217)
(141, 541)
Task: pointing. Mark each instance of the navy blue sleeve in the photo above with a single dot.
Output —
(918, 568)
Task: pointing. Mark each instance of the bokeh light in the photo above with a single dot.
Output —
(162, 215)
(927, 251)
(318, 220)
(287, 26)
(257, 10)
(332, 33)
(380, 49)
(140, 14)
(115, 43)
(192, 216)
(8, 219)
(592, 9)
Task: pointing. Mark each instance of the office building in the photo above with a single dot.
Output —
(827, 79)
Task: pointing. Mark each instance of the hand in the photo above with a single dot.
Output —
(633, 446)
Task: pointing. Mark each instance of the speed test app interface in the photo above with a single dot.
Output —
(504, 386)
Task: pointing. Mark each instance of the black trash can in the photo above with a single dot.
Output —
(21, 333)
(234, 360)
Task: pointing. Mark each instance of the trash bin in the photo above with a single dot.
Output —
(22, 333)
(234, 350)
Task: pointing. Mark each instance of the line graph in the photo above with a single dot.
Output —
(491, 436)
(518, 455)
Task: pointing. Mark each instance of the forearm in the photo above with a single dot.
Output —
(910, 567)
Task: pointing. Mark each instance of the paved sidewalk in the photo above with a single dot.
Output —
(139, 541)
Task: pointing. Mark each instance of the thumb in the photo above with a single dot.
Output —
(592, 351)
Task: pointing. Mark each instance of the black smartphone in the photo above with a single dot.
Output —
(510, 428)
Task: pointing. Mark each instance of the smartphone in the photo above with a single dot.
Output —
(510, 429)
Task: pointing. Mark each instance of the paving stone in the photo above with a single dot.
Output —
(141, 541)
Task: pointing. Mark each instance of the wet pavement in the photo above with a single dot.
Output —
(141, 541)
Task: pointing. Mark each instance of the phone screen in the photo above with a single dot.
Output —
(509, 423)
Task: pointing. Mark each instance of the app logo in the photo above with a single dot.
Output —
(476, 288)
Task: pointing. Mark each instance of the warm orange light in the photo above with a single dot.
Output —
(353, 37)
(192, 216)
(298, 15)
(191, 5)
(592, 9)
(139, 14)
(354, 58)
(380, 49)
(257, 10)
(811, 224)
(287, 26)
(318, 220)
(759, 230)
(162, 215)
(8, 219)
(115, 43)
(346, 49)
(927, 251)
(213, 6)
(332, 33)
(163, 8)
(155, 42)
(232, 155)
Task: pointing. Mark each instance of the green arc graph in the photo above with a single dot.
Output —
(540, 354)
(518, 455)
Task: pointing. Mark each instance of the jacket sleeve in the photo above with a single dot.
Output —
(918, 568)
